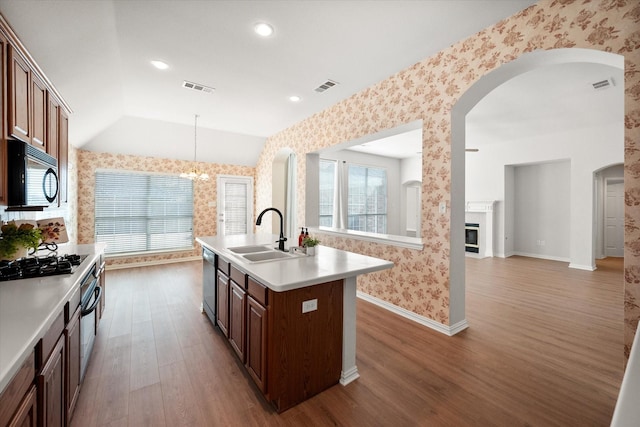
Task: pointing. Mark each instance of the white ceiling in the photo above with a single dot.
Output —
(97, 54)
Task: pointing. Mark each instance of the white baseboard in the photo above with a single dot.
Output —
(582, 267)
(540, 256)
(152, 262)
(425, 321)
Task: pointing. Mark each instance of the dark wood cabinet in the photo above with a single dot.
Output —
(237, 307)
(15, 400)
(256, 352)
(72, 335)
(53, 118)
(27, 414)
(304, 349)
(63, 157)
(3, 110)
(222, 303)
(51, 388)
(19, 96)
(38, 113)
(290, 342)
(31, 109)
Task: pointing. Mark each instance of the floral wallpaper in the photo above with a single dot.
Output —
(428, 90)
(205, 217)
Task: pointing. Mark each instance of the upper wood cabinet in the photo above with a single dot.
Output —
(31, 109)
(63, 157)
(39, 113)
(19, 96)
(3, 98)
(53, 117)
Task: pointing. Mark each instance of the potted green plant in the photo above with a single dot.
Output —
(310, 243)
(15, 241)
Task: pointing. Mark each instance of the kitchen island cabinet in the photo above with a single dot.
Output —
(299, 315)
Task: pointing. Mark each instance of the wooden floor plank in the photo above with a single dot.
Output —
(544, 348)
(146, 406)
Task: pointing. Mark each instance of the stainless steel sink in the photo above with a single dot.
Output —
(268, 256)
(250, 249)
(261, 253)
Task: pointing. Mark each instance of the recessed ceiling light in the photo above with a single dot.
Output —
(160, 65)
(263, 29)
(295, 98)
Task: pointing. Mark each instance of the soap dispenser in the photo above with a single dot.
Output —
(301, 236)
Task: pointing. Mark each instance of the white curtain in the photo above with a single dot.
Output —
(290, 203)
(340, 196)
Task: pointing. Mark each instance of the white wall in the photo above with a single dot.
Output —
(588, 150)
(542, 210)
(411, 169)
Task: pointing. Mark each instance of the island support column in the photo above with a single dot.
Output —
(349, 368)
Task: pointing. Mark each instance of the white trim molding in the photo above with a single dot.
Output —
(152, 262)
(449, 330)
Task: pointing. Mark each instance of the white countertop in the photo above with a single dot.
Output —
(286, 274)
(28, 307)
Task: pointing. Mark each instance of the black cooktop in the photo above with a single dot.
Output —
(30, 267)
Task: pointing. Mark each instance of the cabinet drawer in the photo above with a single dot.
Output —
(16, 390)
(257, 290)
(239, 277)
(46, 344)
(223, 266)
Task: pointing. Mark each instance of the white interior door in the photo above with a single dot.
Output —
(235, 205)
(614, 218)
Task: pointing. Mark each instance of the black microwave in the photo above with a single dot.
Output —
(32, 176)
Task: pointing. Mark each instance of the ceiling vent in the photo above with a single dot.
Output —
(603, 84)
(198, 87)
(326, 85)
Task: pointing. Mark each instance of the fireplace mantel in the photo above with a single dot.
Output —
(481, 212)
(484, 206)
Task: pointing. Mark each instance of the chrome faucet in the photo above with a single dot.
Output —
(282, 239)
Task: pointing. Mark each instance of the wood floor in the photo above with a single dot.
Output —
(544, 348)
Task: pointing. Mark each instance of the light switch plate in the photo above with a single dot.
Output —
(309, 305)
(443, 207)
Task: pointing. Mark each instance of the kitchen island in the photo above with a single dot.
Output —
(288, 319)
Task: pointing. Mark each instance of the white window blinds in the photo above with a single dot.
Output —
(235, 208)
(137, 212)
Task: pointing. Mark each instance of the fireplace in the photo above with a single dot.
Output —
(471, 232)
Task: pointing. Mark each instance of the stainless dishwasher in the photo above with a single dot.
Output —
(209, 284)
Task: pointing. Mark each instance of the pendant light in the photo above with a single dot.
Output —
(194, 174)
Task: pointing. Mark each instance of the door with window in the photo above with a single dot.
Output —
(235, 205)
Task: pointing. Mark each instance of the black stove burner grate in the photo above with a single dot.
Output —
(25, 268)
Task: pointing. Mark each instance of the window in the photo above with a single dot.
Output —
(138, 212)
(365, 205)
(367, 208)
(327, 189)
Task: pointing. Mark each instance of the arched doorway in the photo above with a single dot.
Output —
(484, 86)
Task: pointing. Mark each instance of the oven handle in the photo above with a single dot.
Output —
(99, 272)
(98, 294)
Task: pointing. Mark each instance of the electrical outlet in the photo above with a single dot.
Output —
(309, 305)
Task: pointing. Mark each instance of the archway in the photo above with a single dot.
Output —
(464, 105)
